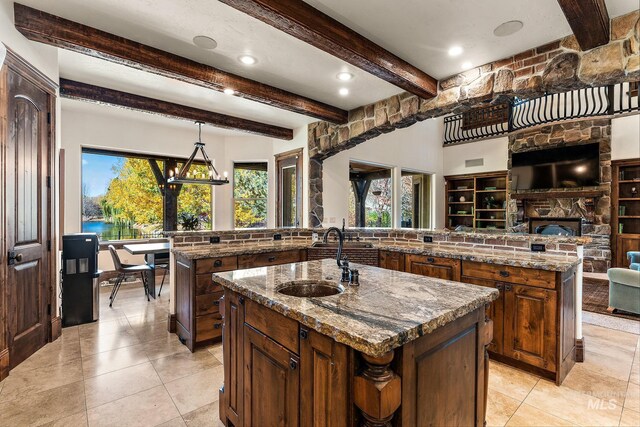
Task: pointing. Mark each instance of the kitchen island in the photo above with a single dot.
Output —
(400, 348)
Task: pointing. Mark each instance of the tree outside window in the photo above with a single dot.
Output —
(250, 187)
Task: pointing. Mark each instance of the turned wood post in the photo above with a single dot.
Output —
(377, 391)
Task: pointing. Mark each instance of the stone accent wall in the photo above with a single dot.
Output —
(595, 211)
(554, 67)
(183, 239)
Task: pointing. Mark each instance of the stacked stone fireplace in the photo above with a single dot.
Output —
(592, 204)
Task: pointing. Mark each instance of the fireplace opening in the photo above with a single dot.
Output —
(556, 226)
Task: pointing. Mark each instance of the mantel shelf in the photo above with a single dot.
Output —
(557, 194)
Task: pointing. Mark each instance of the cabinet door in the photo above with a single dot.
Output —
(438, 267)
(530, 325)
(624, 244)
(495, 311)
(232, 338)
(271, 382)
(324, 381)
(391, 260)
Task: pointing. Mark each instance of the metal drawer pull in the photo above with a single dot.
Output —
(504, 273)
(293, 364)
(272, 258)
(507, 287)
(217, 325)
(216, 302)
(217, 263)
(431, 259)
(303, 334)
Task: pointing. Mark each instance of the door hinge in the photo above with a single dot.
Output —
(49, 245)
(49, 309)
(48, 118)
(48, 181)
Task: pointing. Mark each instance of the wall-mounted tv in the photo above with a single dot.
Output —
(565, 167)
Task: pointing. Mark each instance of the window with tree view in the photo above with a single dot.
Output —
(370, 196)
(122, 197)
(250, 184)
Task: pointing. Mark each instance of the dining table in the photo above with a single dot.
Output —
(150, 250)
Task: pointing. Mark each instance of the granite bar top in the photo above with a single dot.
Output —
(536, 260)
(214, 250)
(387, 310)
(526, 259)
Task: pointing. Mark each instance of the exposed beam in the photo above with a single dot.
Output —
(308, 24)
(56, 31)
(589, 21)
(85, 92)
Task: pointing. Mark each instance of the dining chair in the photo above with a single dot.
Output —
(123, 270)
(161, 262)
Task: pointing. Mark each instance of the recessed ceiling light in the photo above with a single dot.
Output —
(247, 59)
(466, 65)
(344, 91)
(344, 76)
(508, 28)
(455, 50)
(205, 42)
(229, 91)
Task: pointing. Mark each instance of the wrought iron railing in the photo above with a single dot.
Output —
(484, 122)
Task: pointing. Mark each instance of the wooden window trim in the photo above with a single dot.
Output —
(280, 158)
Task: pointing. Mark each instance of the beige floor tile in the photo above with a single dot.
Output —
(147, 317)
(632, 400)
(634, 376)
(614, 336)
(500, 408)
(53, 353)
(147, 408)
(113, 360)
(115, 385)
(75, 420)
(630, 418)
(164, 347)
(1, 385)
(70, 334)
(528, 416)
(106, 342)
(573, 406)
(592, 383)
(21, 384)
(43, 407)
(180, 365)
(196, 390)
(176, 422)
(207, 416)
(104, 327)
(151, 331)
(510, 381)
(608, 364)
(114, 313)
(216, 350)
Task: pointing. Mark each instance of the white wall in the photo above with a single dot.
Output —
(625, 137)
(416, 148)
(493, 152)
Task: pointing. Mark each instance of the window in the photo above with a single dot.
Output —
(415, 208)
(250, 181)
(289, 196)
(123, 196)
(370, 199)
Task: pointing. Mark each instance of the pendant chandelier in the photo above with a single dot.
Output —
(183, 176)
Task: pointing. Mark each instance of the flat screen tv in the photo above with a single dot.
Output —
(565, 167)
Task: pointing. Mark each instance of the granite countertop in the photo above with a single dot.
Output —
(536, 260)
(211, 251)
(387, 310)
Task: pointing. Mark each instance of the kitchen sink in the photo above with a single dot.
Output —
(347, 244)
(310, 288)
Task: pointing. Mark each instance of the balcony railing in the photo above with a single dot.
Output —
(495, 120)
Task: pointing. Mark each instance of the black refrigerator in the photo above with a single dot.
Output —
(80, 279)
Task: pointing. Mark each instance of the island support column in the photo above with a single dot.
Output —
(377, 391)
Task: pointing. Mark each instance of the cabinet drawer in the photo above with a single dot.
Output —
(208, 303)
(433, 266)
(208, 327)
(392, 260)
(269, 258)
(279, 328)
(211, 265)
(206, 285)
(505, 273)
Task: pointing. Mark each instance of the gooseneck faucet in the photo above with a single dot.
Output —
(342, 263)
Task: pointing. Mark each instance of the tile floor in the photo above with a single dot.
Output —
(126, 370)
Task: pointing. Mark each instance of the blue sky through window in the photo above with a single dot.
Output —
(97, 172)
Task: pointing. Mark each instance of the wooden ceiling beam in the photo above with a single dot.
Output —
(85, 92)
(589, 21)
(308, 24)
(56, 31)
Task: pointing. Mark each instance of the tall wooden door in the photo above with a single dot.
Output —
(27, 217)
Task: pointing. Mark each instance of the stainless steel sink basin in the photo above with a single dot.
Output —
(310, 288)
(347, 245)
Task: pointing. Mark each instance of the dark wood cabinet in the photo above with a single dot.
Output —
(530, 325)
(198, 318)
(495, 311)
(271, 382)
(625, 210)
(231, 397)
(438, 267)
(324, 381)
(392, 260)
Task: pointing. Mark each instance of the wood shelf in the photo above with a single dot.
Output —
(489, 210)
(499, 190)
(629, 217)
(477, 184)
(629, 238)
(461, 203)
(460, 214)
(629, 199)
(557, 195)
(489, 219)
(629, 181)
(455, 190)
